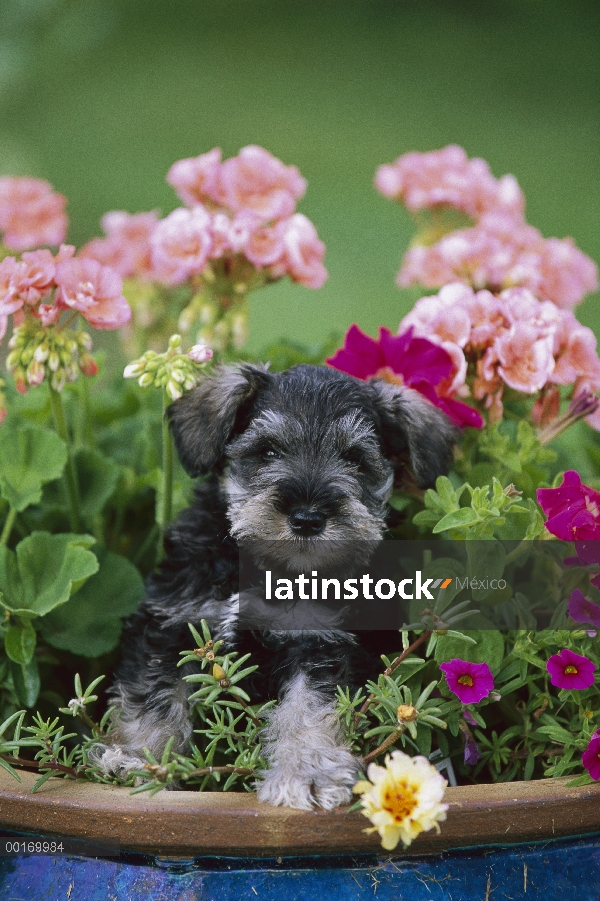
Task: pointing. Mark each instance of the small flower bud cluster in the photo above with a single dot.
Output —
(205, 652)
(223, 323)
(173, 371)
(38, 352)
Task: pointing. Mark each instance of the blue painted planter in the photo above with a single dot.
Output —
(189, 846)
(544, 871)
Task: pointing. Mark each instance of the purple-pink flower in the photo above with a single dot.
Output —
(591, 756)
(471, 682)
(570, 670)
(404, 360)
(573, 509)
(582, 610)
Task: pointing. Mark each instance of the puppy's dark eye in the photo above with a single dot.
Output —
(269, 454)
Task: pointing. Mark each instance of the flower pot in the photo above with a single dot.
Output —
(532, 840)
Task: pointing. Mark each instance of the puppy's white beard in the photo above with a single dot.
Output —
(255, 516)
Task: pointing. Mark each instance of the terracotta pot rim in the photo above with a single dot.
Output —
(199, 824)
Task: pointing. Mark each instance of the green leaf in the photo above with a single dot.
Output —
(90, 622)
(399, 501)
(19, 642)
(461, 518)
(489, 649)
(97, 478)
(486, 563)
(29, 457)
(26, 680)
(586, 779)
(44, 572)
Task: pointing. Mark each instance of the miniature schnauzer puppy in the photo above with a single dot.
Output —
(295, 462)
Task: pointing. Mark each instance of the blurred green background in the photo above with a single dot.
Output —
(101, 96)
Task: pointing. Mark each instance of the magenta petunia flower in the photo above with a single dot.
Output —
(582, 610)
(404, 360)
(570, 670)
(591, 756)
(471, 682)
(573, 509)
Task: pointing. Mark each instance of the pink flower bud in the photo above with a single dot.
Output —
(200, 353)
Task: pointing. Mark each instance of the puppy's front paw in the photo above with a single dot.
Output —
(322, 779)
(115, 761)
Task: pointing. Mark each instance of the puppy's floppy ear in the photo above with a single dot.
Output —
(203, 420)
(410, 422)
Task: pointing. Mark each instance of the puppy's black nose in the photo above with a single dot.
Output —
(307, 522)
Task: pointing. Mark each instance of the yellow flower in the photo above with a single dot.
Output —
(403, 798)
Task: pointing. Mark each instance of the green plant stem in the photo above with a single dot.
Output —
(89, 722)
(390, 740)
(70, 475)
(146, 543)
(209, 770)
(88, 432)
(393, 665)
(167, 471)
(10, 519)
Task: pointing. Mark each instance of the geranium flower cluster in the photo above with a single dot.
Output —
(499, 250)
(36, 290)
(32, 213)
(511, 339)
(448, 177)
(239, 224)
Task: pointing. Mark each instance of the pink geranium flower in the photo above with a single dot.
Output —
(195, 178)
(181, 244)
(265, 245)
(498, 253)
(591, 756)
(525, 361)
(582, 610)
(31, 213)
(573, 509)
(448, 177)
(404, 360)
(126, 247)
(570, 670)
(303, 252)
(94, 290)
(471, 682)
(255, 180)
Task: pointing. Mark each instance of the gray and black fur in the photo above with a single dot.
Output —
(295, 460)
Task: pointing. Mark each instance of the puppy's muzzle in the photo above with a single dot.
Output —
(307, 523)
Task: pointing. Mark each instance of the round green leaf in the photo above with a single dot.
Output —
(29, 457)
(44, 571)
(90, 622)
